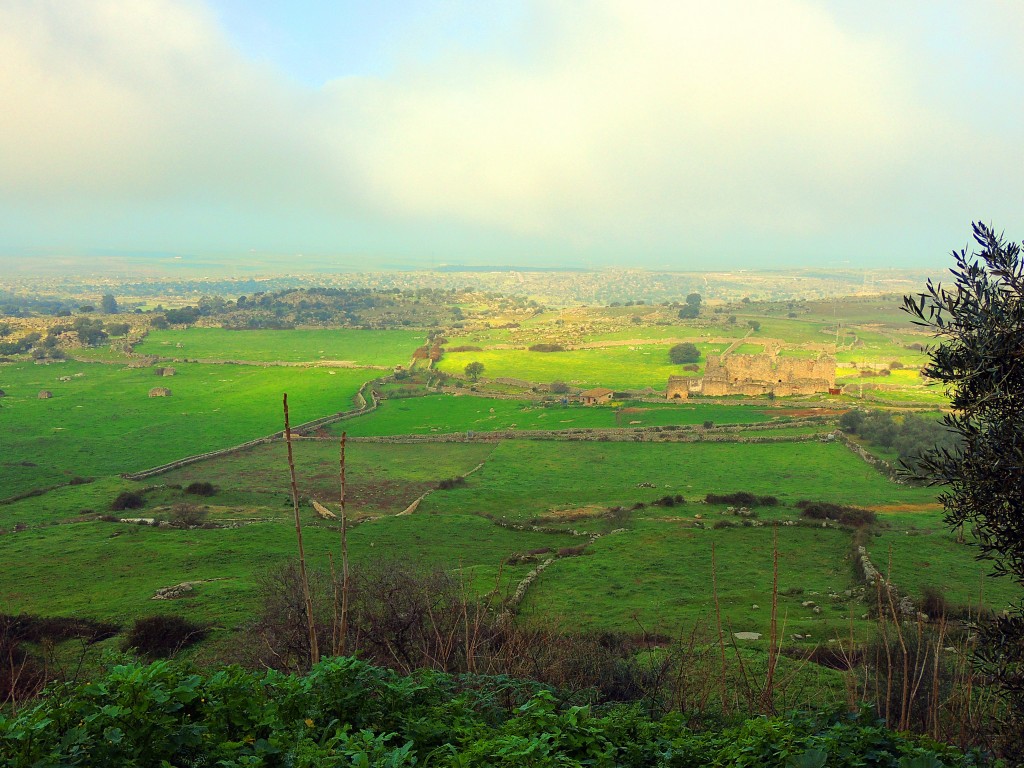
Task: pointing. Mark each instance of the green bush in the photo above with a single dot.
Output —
(127, 500)
(201, 489)
(163, 635)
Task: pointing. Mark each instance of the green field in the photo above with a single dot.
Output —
(381, 479)
(126, 564)
(616, 367)
(522, 480)
(659, 574)
(387, 348)
(102, 421)
(448, 414)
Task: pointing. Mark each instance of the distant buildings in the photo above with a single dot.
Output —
(596, 396)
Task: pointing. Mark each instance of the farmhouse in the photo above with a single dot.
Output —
(595, 396)
(758, 375)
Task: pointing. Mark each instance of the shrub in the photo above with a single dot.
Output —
(572, 551)
(739, 498)
(933, 602)
(823, 510)
(127, 500)
(559, 387)
(188, 515)
(546, 348)
(465, 348)
(451, 482)
(163, 635)
(201, 489)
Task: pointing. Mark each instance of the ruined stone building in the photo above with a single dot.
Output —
(758, 375)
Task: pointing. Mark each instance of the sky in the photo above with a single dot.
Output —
(656, 133)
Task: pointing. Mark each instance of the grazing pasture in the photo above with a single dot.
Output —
(658, 576)
(360, 347)
(126, 564)
(448, 414)
(629, 367)
(102, 421)
(382, 479)
(525, 479)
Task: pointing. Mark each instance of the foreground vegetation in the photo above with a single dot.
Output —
(345, 712)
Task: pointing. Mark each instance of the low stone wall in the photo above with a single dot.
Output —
(902, 604)
(362, 407)
(881, 465)
(691, 434)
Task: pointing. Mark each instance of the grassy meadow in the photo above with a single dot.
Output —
(629, 367)
(524, 479)
(102, 421)
(359, 347)
(462, 413)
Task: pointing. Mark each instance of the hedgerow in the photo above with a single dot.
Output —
(346, 712)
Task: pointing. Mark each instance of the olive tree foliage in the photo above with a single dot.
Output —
(979, 322)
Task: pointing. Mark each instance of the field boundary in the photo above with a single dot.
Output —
(612, 434)
(364, 406)
(869, 458)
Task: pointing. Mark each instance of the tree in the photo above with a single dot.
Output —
(109, 304)
(89, 332)
(474, 370)
(755, 326)
(980, 322)
(684, 353)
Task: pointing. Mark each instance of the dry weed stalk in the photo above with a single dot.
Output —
(722, 678)
(768, 693)
(342, 632)
(314, 651)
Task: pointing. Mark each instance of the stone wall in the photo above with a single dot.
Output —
(768, 374)
(679, 387)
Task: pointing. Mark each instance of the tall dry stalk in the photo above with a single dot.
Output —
(723, 675)
(768, 694)
(341, 645)
(314, 650)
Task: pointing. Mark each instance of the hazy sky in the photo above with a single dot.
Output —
(734, 133)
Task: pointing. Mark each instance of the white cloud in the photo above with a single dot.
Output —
(646, 122)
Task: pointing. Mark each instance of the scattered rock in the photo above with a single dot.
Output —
(747, 635)
(173, 593)
(323, 512)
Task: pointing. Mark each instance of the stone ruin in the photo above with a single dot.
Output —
(755, 375)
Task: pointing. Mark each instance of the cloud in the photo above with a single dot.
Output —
(667, 126)
(698, 114)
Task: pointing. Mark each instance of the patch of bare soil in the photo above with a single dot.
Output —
(932, 506)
